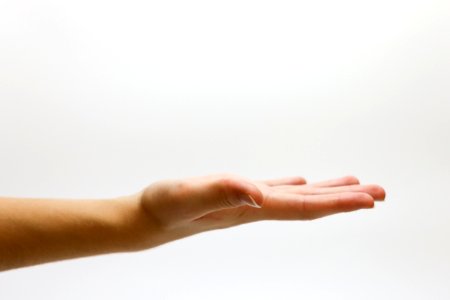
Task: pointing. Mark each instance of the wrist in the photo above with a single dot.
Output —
(136, 228)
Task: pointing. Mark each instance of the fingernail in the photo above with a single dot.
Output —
(247, 199)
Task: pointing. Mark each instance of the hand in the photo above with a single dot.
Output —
(34, 231)
(192, 205)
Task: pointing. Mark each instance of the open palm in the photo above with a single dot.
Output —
(203, 203)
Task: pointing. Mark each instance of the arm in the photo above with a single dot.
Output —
(34, 231)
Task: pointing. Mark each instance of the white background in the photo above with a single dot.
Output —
(101, 98)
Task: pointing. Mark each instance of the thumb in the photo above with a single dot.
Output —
(223, 193)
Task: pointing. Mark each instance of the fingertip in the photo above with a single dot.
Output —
(381, 196)
(383, 193)
(377, 192)
(370, 204)
(361, 200)
(368, 201)
(299, 180)
(351, 179)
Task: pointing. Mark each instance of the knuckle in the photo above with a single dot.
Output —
(303, 206)
(180, 188)
(227, 198)
(225, 182)
(345, 196)
(305, 211)
(225, 175)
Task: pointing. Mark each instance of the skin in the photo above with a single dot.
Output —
(35, 231)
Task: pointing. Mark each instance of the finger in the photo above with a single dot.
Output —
(217, 194)
(376, 191)
(293, 180)
(346, 180)
(284, 206)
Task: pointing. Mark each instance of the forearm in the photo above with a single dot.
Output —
(35, 231)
